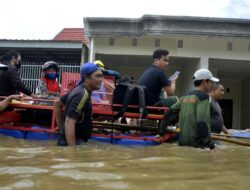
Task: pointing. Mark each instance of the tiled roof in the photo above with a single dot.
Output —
(71, 34)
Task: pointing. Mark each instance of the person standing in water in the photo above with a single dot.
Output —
(76, 121)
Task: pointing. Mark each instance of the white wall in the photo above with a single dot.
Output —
(192, 47)
(202, 48)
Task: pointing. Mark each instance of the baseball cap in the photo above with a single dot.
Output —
(88, 68)
(100, 64)
(203, 74)
(3, 67)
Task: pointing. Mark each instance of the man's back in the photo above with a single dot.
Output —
(194, 115)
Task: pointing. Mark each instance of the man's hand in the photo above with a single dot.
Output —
(34, 96)
(159, 139)
(16, 97)
(57, 128)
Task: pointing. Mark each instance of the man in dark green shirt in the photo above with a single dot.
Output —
(193, 110)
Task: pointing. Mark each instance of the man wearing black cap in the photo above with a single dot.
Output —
(77, 118)
(10, 81)
(193, 110)
(4, 103)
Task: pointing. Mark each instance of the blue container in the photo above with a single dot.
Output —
(239, 133)
(41, 135)
(13, 133)
(127, 142)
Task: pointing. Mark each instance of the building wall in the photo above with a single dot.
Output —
(195, 53)
(192, 46)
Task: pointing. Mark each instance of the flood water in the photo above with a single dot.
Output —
(96, 165)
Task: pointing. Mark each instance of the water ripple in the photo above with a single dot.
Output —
(21, 170)
(60, 160)
(114, 185)
(19, 185)
(77, 165)
(79, 175)
(32, 150)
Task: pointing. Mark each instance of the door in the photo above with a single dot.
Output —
(227, 112)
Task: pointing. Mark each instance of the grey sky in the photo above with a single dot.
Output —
(43, 19)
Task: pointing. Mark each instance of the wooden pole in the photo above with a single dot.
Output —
(244, 143)
(120, 126)
(150, 128)
(228, 136)
(221, 138)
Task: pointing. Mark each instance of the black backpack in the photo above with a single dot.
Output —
(129, 93)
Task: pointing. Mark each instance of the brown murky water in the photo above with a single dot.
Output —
(42, 165)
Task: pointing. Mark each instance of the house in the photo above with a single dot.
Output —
(66, 49)
(219, 44)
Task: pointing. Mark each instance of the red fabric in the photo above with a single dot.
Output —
(71, 85)
(68, 78)
(52, 85)
(8, 117)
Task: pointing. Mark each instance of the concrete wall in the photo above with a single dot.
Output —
(192, 47)
(195, 54)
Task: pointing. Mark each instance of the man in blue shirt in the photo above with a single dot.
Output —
(155, 79)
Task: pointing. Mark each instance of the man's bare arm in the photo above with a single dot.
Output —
(70, 131)
(170, 90)
(4, 104)
(58, 106)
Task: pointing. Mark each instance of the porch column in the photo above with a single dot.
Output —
(91, 50)
(204, 63)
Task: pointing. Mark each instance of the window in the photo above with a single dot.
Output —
(180, 44)
(134, 42)
(157, 43)
(111, 41)
(229, 46)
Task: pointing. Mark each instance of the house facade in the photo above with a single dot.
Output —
(219, 44)
(67, 48)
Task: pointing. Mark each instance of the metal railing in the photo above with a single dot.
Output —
(31, 72)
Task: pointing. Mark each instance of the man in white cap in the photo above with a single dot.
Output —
(193, 110)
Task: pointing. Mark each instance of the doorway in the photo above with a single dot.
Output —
(227, 112)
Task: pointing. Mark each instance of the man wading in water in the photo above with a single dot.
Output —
(76, 123)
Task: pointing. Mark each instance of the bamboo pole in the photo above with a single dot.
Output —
(224, 138)
(120, 126)
(228, 136)
(244, 143)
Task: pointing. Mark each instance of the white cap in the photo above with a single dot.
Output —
(3, 67)
(203, 74)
